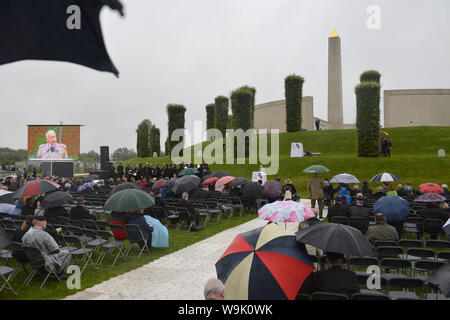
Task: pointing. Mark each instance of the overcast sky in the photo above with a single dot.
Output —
(190, 51)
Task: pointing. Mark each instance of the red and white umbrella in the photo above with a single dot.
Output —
(223, 181)
(285, 211)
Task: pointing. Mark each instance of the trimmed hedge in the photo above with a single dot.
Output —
(368, 118)
(155, 140)
(241, 102)
(370, 75)
(252, 105)
(293, 86)
(221, 114)
(175, 113)
(210, 115)
(143, 139)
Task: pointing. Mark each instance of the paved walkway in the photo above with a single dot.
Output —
(177, 276)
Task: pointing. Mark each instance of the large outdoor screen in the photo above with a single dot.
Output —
(53, 142)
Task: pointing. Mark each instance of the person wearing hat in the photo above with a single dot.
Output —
(79, 212)
(446, 193)
(56, 260)
(289, 186)
(315, 192)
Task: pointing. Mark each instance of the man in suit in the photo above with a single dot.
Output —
(158, 172)
(52, 149)
(315, 191)
(120, 170)
(186, 204)
(359, 210)
(79, 212)
(340, 208)
(333, 280)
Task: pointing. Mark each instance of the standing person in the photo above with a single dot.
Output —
(128, 171)
(388, 147)
(383, 147)
(34, 173)
(315, 191)
(317, 122)
(157, 172)
(120, 170)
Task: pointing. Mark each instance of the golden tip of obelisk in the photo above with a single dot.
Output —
(334, 34)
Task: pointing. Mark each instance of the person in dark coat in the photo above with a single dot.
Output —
(128, 171)
(51, 214)
(184, 203)
(204, 194)
(28, 209)
(365, 188)
(79, 212)
(380, 193)
(120, 170)
(138, 219)
(340, 208)
(236, 192)
(358, 210)
(158, 172)
(334, 280)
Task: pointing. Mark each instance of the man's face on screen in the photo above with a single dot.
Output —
(51, 138)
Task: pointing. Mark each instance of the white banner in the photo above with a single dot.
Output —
(258, 175)
(297, 150)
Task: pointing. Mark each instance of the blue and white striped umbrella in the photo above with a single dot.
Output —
(385, 177)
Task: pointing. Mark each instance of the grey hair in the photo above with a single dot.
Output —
(50, 131)
(214, 286)
(185, 195)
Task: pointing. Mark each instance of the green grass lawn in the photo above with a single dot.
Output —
(413, 156)
(58, 290)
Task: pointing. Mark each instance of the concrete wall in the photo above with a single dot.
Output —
(272, 115)
(423, 107)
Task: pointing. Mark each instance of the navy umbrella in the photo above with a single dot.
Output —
(394, 208)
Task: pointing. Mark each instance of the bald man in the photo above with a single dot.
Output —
(52, 149)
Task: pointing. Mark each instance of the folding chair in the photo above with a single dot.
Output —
(389, 252)
(433, 227)
(213, 209)
(360, 223)
(413, 225)
(102, 225)
(426, 267)
(96, 243)
(202, 210)
(237, 204)
(402, 267)
(370, 296)
(76, 223)
(77, 231)
(109, 247)
(405, 284)
(82, 253)
(137, 237)
(339, 219)
(37, 262)
(419, 253)
(7, 274)
(378, 243)
(407, 243)
(184, 216)
(437, 244)
(90, 224)
(328, 296)
(172, 214)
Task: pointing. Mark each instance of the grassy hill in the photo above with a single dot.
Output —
(413, 156)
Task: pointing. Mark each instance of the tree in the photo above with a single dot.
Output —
(155, 140)
(143, 139)
(210, 115)
(252, 105)
(368, 114)
(221, 114)
(123, 154)
(241, 102)
(90, 156)
(175, 113)
(9, 156)
(293, 86)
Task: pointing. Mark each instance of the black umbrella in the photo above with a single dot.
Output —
(441, 278)
(56, 199)
(5, 238)
(217, 174)
(239, 181)
(334, 237)
(125, 186)
(42, 33)
(273, 189)
(185, 184)
(7, 198)
(169, 184)
(253, 190)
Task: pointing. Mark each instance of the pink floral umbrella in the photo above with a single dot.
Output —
(223, 181)
(285, 211)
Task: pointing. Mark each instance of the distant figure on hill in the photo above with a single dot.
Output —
(317, 122)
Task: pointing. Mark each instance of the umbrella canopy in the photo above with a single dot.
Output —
(5, 238)
(86, 185)
(158, 185)
(441, 278)
(335, 237)
(56, 199)
(253, 190)
(316, 169)
(217, 174)
(430, 197)
(223, 181)
(394, 208)
(383, 133)
(187, 172)
(169, 184)
(344, 178)
(431, 188)
(35, 187)
(210, 180)
(239, 181)
(446, 228)
(6, 197)
(264, 264)
(385, 177)
(285, 211)
(129, 200)
(185, 184)
(273, 189)
(125, 186)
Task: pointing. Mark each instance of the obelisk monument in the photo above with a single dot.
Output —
(335, 106)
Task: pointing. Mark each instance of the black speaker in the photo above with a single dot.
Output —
(63, 169)
(104, 158)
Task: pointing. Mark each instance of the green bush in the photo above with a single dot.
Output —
(143, 139)
(369, 76)
(293, 86)
(241, 101)
(221, 114)
(368, 118)
(155, 140)
(175, 113)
